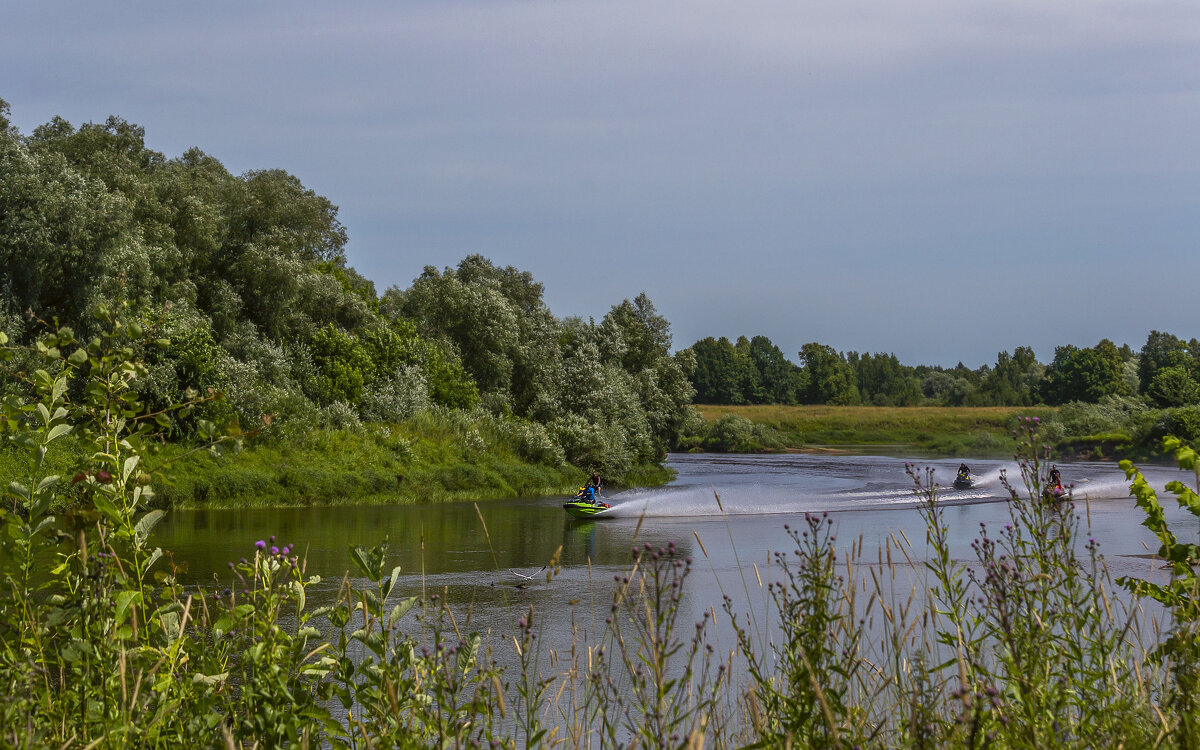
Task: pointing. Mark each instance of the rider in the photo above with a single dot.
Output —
(589, 493)
(1055, 477)
(594, 481)
(963, 471)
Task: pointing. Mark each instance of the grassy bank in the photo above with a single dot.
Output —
(930, 429)
(422, 461)
(400, 464)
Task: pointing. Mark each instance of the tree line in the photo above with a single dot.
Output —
(247, 279)
(1164, 373)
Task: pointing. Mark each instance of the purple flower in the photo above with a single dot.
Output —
(274, 550)
(260, 544)
(285, 550)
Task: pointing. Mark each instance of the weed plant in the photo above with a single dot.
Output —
(1023, 646)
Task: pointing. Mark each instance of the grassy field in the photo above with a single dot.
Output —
(943, 430)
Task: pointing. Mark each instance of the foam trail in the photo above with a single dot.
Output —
(748, 500)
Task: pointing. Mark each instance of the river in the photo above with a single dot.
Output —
(488, 560)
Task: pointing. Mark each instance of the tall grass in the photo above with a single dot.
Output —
(1023, 646)
(934, 430)
(438, 455)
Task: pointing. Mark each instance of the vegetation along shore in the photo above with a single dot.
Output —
(159, 315)
(464, 385)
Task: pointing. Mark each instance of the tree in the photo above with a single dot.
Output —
(1085, 374)
(883, 381)
(1173, 386)
(647, 334)
(1161, 350)
(1014, 380)
(780, 378)
(716, 377)
(830, 378)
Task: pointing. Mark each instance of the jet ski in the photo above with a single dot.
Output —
(581, 507)
(1057, 492)
(963, 481)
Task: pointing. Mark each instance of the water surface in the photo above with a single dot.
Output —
(489, 559)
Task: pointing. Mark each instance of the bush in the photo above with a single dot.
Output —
(396, 398)
(1183, 423)
(734, 434)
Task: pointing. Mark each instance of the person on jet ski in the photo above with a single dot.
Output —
(1055, 477)
(594, 481)
(589, 493)
(964, 472)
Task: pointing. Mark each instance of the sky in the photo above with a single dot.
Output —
(937, 179)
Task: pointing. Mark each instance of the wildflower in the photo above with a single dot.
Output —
(274, 550)
(260, 544)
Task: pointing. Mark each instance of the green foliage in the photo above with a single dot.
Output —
(831, 380)
(717, 377)
(102, 647)
(734, 434)
(1180, 594)
(1014, 381)
(1173, 386)
(801, 690)
(883, 381)
(250, 272)
(1085, 374)
(1183, 423)
(344, 364)
(1163, 351)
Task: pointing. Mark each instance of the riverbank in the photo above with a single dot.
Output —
(372, 465)
(936, 430)
(376, 465)
(413, 463)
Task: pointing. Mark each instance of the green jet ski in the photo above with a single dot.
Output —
(581, 506)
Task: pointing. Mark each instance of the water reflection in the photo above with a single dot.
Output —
(489, 560)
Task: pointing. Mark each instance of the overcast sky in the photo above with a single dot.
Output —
(940, 179)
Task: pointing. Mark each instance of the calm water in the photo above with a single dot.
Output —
(488, 562)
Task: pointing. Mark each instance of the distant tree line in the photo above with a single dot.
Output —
(246, 276)
(1164, 373)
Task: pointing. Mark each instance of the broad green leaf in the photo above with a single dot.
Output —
(210, 679)
(401, 609)
(157, 553)
(130, 464)
(467, 655)
(60, 387)
(170, 626)
(125, 599)
(390, 583)
(47, 482)
(359, 556)
(58, 431)
(298, 589)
